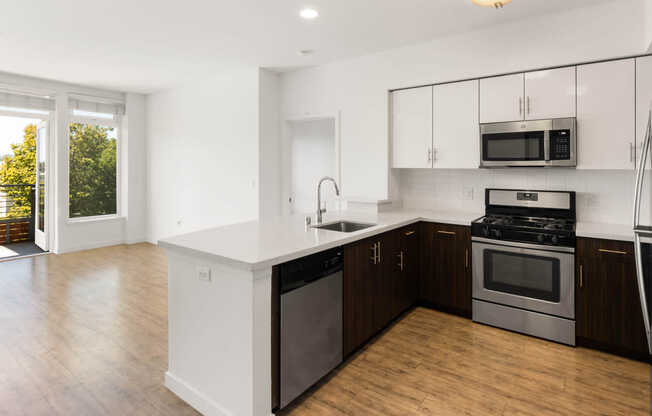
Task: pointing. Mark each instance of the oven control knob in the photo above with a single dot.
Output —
(540, 238)
(554, 239)
(497, 233)
(485, 231)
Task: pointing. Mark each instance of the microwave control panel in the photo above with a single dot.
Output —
(560, 144)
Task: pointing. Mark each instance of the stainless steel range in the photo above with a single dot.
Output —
(524, 263)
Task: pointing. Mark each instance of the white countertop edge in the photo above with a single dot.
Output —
(346, 239)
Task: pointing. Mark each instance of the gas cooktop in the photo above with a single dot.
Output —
(538, 217)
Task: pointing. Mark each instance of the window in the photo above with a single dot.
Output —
(94, 159)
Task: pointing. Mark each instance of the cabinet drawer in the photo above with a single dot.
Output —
(606, 250)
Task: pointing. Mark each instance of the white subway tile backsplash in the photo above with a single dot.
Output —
(602, 196)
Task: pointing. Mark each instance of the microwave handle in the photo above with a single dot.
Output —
(546, 145)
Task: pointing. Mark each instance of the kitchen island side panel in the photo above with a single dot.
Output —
(219, 336)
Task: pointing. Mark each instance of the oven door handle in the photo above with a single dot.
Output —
(557, 249)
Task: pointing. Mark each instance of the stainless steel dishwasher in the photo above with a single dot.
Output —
(311, 321)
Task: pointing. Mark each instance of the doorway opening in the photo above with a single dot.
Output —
(312, 153)
(23, 185)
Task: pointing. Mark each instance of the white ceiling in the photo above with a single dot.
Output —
(148, 45)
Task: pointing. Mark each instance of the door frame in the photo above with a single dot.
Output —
(41, 238)
(286, 153)
(48, 118)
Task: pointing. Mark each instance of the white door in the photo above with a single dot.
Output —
(605, 115)
(550, 94)
(643, 101)
(456, 141)
(501, 99)
(41, 222)
(412, 128)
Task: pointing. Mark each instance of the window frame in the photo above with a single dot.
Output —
(115, 122)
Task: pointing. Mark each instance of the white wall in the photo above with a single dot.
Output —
(359, 87)
(270, 145)
(134, 180)
(202, 154)
(648, 25)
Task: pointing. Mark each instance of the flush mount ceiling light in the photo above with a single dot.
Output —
(309, 14)
(498, 4)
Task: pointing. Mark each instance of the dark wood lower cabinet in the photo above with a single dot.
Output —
(380, 282)
(608, 307)
(446, 263)
(361, 275)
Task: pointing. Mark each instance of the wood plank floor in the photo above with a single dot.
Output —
(86, 334)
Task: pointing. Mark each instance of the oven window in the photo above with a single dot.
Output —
(522, 274)
(513, 146)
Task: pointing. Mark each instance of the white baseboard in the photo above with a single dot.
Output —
(90, 246)
(198, 401)
(136, 240)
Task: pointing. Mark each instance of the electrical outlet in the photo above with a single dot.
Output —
(467, 193)
(204, 273)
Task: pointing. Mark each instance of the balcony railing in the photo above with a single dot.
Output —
(17, 213)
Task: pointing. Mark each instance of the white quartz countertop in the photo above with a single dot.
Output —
(257, 245)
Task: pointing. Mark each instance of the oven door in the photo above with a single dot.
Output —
(526, 276)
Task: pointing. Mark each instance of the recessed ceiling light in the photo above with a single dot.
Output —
(305, 52)
(498, 4)
(309, 14)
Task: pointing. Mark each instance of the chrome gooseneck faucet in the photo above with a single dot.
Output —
(320, 211)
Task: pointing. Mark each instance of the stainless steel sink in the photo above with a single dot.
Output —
(344, 226)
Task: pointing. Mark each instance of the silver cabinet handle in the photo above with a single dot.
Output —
(527, 104)
(378, 252)
(581, 277)
(429, 155)
(374, 255)
(400, 264)
(520, 106)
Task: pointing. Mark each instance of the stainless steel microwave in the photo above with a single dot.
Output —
(529, 143)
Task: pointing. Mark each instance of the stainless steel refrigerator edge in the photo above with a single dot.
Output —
(642, 232)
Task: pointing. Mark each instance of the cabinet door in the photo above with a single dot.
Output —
(501, 99)
(446, 277)
(408, 259)
(384, 306)
(605, 115)
(462, 297)
(643, 102)
(360, 280)
(550, 94)
(412, 128)
(608, 310)
(456, 142)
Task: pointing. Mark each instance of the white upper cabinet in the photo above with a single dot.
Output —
(550, 94)
(605, 115)
(501, 99)
(456, 141)
(643, 101)
(530, 96)
(412, 128)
